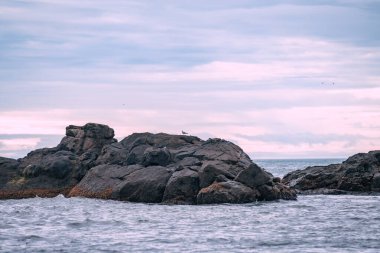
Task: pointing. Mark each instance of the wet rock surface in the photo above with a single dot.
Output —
(360, 173)
(143, 167)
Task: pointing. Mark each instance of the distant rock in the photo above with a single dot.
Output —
(143, 167)
(358, 174)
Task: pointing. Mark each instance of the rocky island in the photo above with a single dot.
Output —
(143, 167)
(360, 173)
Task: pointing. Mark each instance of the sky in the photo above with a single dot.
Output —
(281, 79)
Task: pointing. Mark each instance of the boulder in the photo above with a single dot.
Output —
(156, 156)
(145, 185)
(254, 176)
(211, 169)
(227, 192)
(276, 191)
(359, 173)
(103, 181)
(134, 183)
(88, 138)
(313, 178)
(182, 187)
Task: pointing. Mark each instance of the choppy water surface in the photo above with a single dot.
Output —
(311, 224)
(281, 167)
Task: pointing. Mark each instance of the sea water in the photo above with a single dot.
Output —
(310, 224)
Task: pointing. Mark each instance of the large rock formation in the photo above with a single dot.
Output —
(167, 168)
(359, 173)
(143, 167)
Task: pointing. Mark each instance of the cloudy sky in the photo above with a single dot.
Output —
(282, 79)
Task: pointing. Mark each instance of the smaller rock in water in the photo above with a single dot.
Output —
(359, 173)
(227, 192)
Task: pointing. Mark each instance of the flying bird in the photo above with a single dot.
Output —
(332, 83)
(183, 132)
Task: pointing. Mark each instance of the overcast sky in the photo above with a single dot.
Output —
(282, 79)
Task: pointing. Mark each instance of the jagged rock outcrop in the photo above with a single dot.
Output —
(143, 167)
(359, 173)
(53, 171)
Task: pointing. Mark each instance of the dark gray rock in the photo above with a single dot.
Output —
(134, 183)
(221, 178)
(359, 173)
(224, 151)
(90, 137)
(182, 187)
(55, 166)
(156, 156)
(276, 191)
(31, 170)
(137, 155)
(211, 169)
(145, 185)
(189, 161)
(376, 182)
(52, 171)
(8, 171)
(254, 176)
(227, 192)
(313, 177)
(104, 181)
(114, 153)
(46, 169)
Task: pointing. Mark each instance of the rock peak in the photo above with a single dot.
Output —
(91, 130)
(90, 137)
